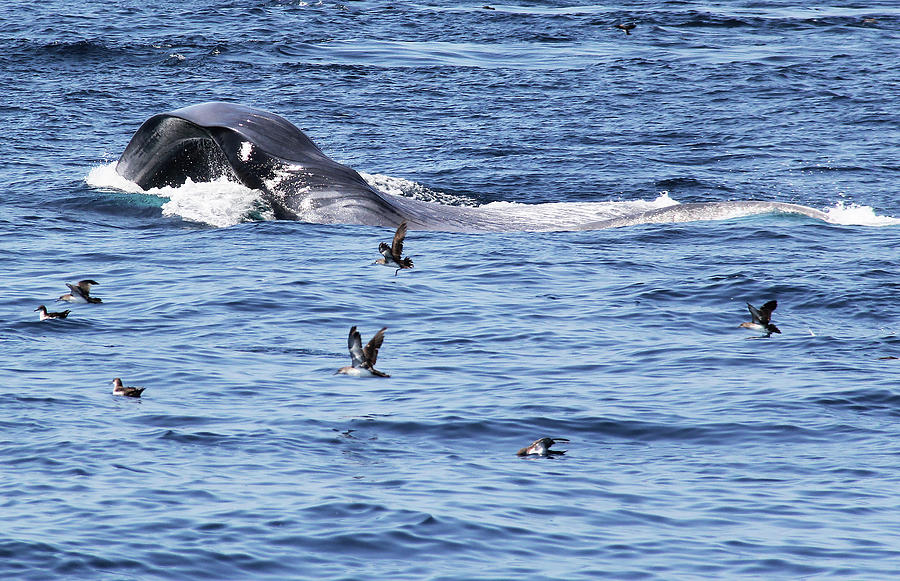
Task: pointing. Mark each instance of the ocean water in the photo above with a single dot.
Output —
(697, 449)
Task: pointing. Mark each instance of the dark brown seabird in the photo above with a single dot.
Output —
(542, 447)
(363, 358)
(762, 319)
(119, 389)
(47, 315)
(81, 293)
(627, 27)
(393, 254)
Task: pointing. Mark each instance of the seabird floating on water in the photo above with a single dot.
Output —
(542, 447)
(761, 319)
(393, 254)
(119, 389)
(44, 314)
(81, 293)
(627, 27)
(363, 358)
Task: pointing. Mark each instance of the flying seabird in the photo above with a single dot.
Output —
(393, 254)
(81, 293)
(542, 447)
(363, 358)
(119, 389)
(761, 319)
(626, 27)
(47, 315)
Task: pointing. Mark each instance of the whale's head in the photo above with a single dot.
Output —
(258, 149)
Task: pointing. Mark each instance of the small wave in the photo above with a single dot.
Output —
(772, 18)
(79, 49)
(863, 400)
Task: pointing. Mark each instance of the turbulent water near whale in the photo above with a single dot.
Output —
(696, 449)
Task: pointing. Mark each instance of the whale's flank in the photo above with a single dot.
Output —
(265, 152)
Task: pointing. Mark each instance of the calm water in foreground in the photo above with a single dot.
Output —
(697, 450)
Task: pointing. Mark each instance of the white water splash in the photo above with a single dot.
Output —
(104, 177)
(281, 173)
(411, 189)
(856, 215)
(218, 203)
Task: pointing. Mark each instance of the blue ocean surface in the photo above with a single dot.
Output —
(696, 450)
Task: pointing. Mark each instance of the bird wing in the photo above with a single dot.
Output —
(354, 343)
(552, 441)
(397, 244)
(754, 312)
(77, 291)
(86, 284)
(370, 353)
(765, 312)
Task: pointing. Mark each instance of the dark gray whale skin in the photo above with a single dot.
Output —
(265, 152)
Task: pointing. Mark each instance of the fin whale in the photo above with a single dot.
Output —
(266, 152)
